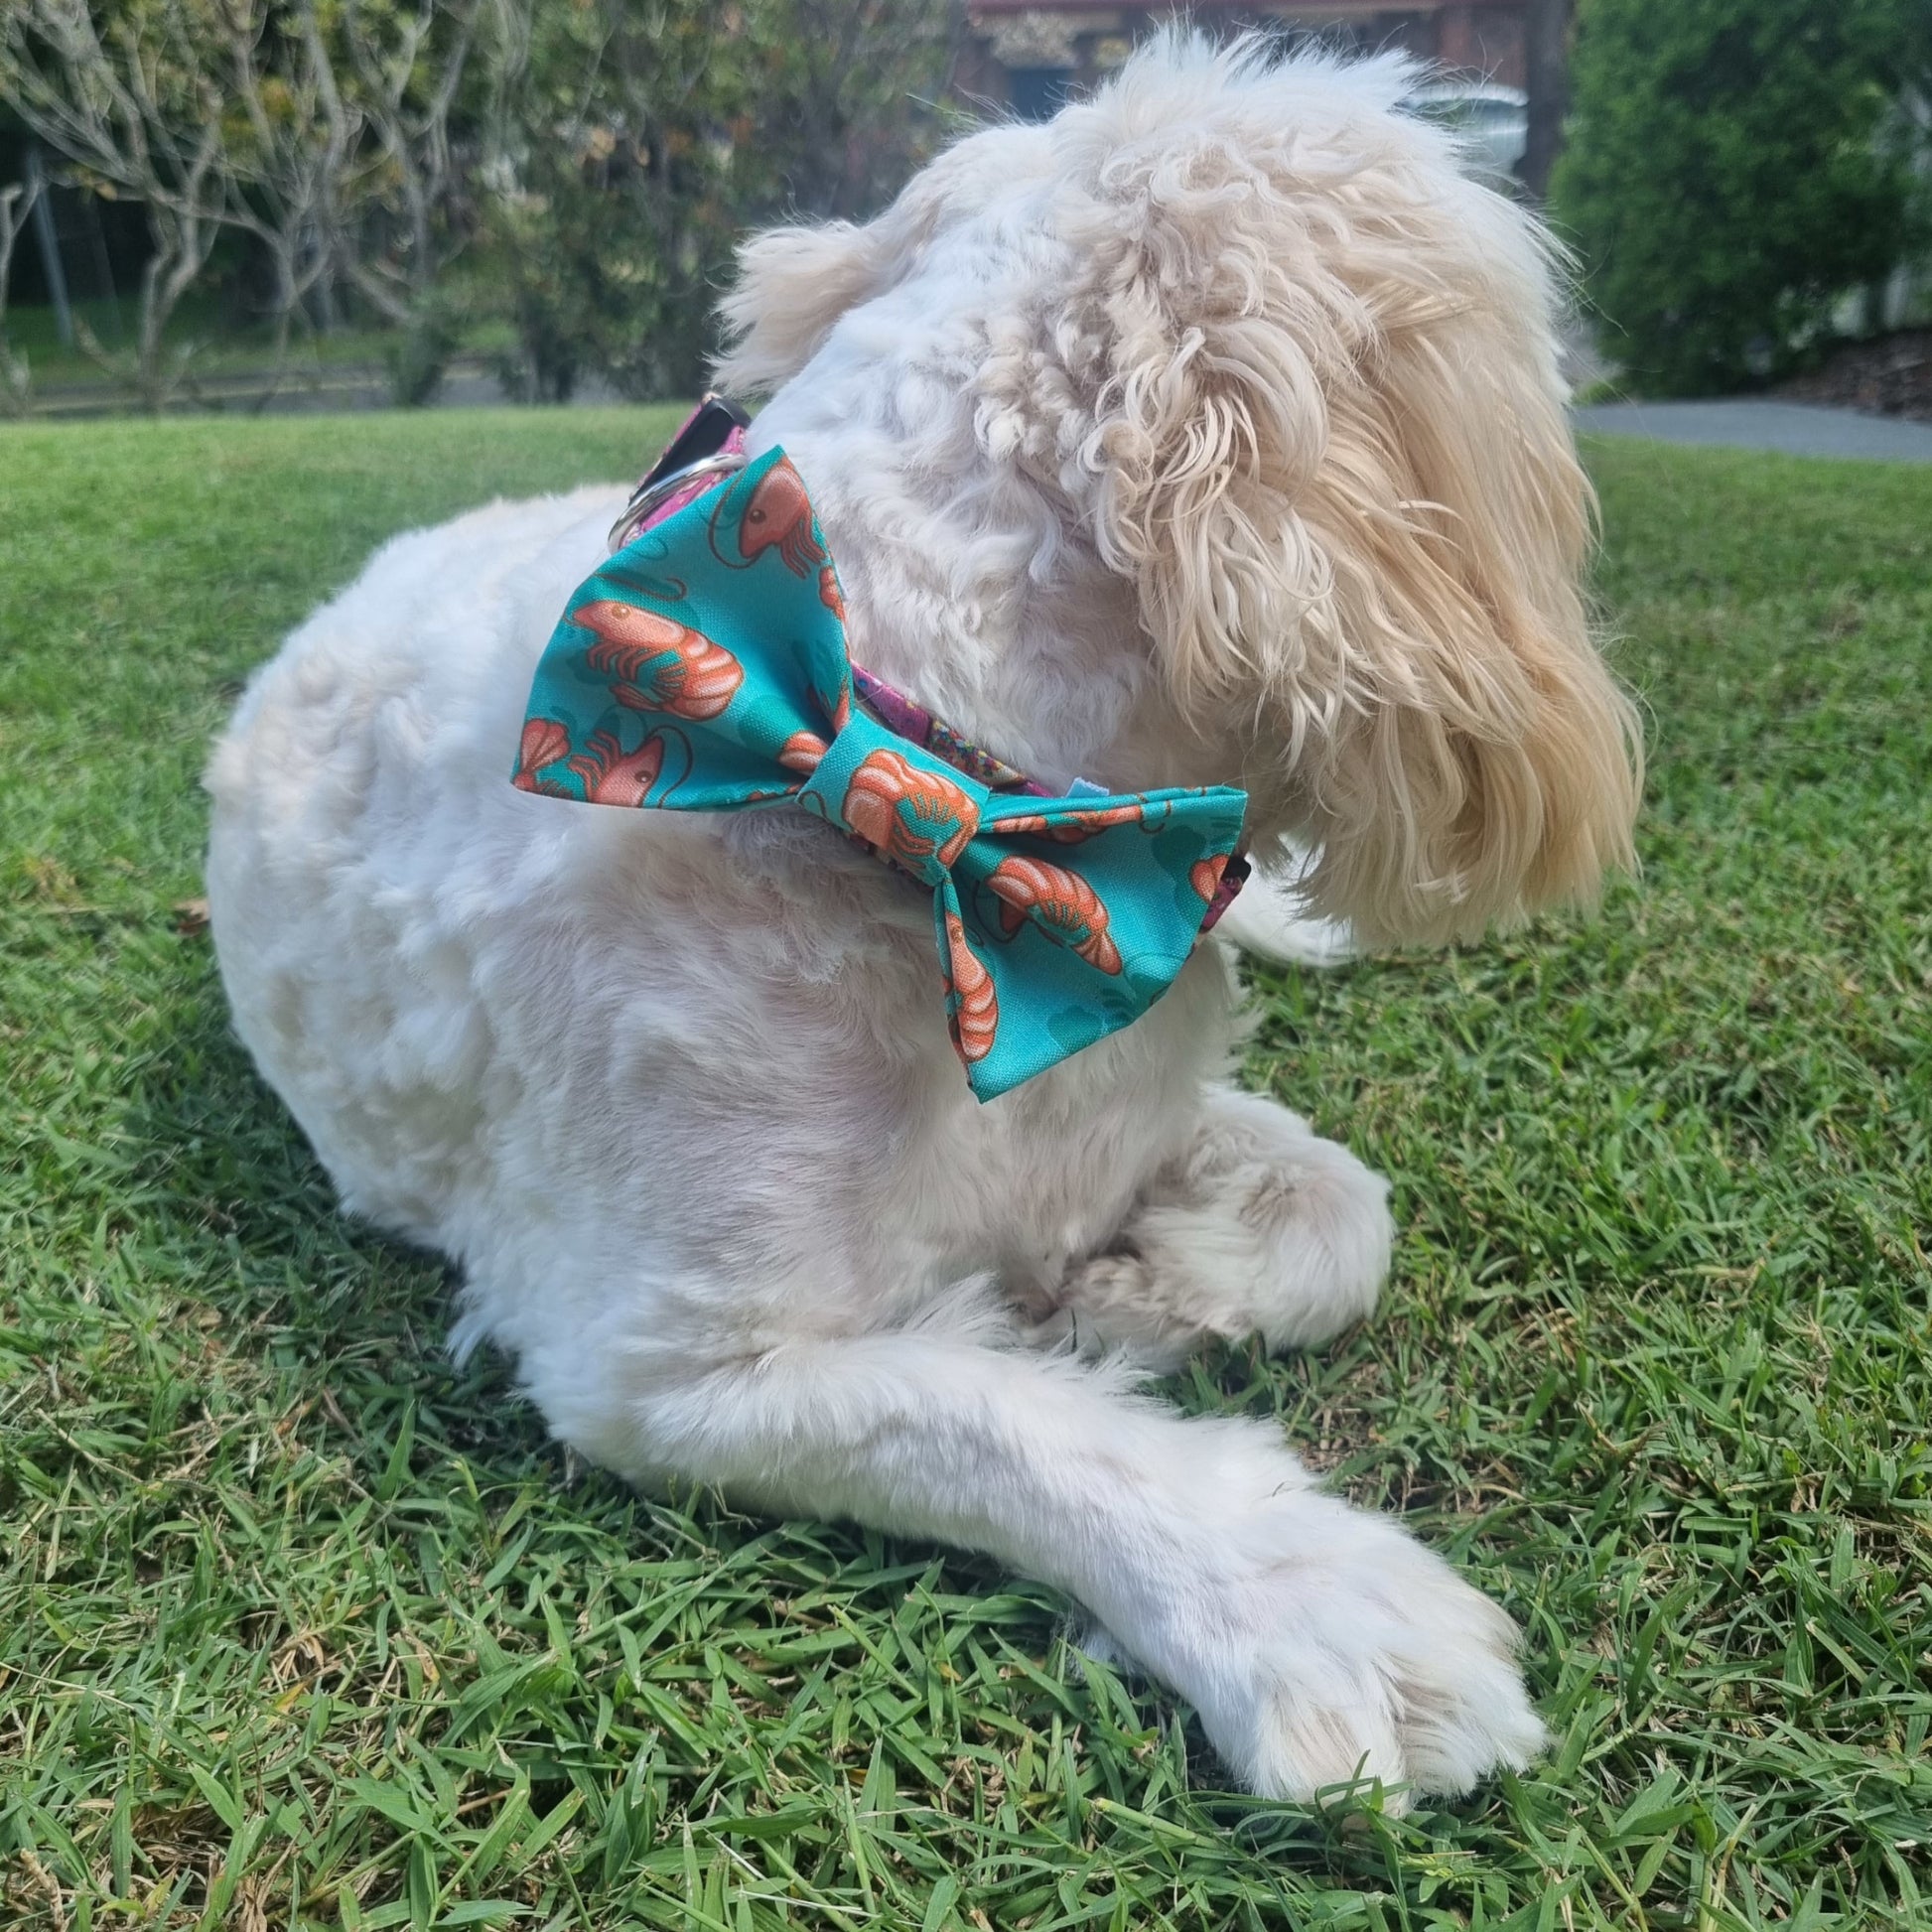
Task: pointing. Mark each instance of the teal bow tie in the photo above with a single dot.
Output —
(704, 668)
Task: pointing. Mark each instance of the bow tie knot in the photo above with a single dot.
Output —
(704, 668)
(903, 801)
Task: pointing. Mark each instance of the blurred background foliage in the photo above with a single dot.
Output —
(642, 140)
(1745, 179)
(560, 181)
(551, 189)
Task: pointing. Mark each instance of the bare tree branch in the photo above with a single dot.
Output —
(406, 89)
(322, 132)
(135, 114)
(16, 383)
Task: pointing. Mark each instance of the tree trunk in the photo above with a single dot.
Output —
(1547, 59)
(16, 204)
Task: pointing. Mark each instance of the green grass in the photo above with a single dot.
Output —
(301, 1626)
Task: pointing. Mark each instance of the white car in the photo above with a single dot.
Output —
(1493, 119)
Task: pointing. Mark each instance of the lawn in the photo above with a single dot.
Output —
(299, 1625)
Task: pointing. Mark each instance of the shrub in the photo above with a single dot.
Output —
(419, 357)
(637, 143)
(1728, 178)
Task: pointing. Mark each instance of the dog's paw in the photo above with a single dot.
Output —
(1410, 1680)
(1322, 1220)
(1332, 1647)
(1291, 1244)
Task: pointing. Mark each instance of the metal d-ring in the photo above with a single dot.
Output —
(649, 498)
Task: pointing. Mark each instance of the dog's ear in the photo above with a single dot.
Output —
(1328, 448)
(1483, 763)
(792, 285)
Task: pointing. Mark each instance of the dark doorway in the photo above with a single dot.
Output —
(1038, 93)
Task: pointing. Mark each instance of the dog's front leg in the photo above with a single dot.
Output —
(1313, 1637)
(1256, 1226)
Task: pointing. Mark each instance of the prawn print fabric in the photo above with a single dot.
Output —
(704, 668)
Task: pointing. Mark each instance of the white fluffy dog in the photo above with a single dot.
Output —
(1210, 433)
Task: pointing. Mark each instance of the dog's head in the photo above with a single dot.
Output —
(1291, 376)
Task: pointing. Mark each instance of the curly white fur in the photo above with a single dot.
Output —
(1209, 434)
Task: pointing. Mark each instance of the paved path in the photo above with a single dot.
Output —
(1797, 429)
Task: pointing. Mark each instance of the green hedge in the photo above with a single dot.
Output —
(1732, 169)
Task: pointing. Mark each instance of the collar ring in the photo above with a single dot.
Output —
(652, 500)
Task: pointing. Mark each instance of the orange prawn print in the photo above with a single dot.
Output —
(1063, 907)
(1205, 875)
(612, 777)
(802, 752)
(1069, 828)
(544, 743)
(829, 593)
(659, 665)
(916, 818)
(975, 1021)
(779, 517)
